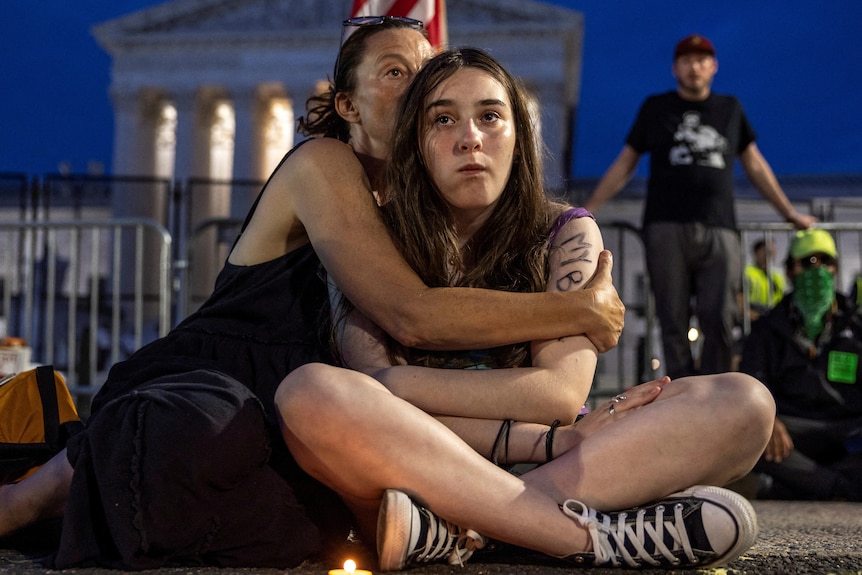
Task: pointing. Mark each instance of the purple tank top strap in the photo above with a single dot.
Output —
(564, 218)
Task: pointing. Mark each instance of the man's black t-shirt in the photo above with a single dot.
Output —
(692, 146)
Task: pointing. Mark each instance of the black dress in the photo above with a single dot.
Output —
(182, 462)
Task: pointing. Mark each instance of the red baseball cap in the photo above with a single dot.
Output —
(692, 44)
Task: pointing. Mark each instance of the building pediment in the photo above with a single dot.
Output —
(208, 21)
(195, 52)
(225, 16)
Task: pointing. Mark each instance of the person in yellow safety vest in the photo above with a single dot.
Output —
(856, 292)
(765, 284)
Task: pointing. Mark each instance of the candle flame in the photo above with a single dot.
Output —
(350, 566)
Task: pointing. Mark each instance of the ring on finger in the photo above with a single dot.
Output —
(619, 398)
(611, 409)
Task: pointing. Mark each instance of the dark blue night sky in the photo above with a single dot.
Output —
(795, 64)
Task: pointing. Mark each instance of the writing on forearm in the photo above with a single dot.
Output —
(577, 251)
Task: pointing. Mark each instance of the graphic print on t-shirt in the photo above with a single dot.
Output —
(699, 144)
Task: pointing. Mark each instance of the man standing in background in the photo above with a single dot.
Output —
(693, 249)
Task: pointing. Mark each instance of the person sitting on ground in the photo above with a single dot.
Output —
(409, 451)
(806, 350)
(182, 461)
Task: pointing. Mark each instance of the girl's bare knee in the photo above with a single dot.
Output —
(753, 397)
(305, 390)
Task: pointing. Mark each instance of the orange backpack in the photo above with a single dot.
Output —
(37, 416)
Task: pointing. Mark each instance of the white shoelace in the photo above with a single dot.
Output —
(446, 540)
(438, 540)
(468, 542)
(637, 533)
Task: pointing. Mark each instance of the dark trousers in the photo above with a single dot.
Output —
(694, 262)
(820, 467)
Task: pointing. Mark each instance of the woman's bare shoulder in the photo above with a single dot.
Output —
(320, 163)
(329, 149)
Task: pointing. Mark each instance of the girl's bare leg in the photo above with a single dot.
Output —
(40, 496)
(351, 433)
(700, 430)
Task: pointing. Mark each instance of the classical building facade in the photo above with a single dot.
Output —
(207, 91)
(211, 88)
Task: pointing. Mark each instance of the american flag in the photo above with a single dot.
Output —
(431, 12)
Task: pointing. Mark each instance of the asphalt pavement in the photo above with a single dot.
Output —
(796, 538)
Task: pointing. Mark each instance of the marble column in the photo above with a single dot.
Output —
(129, 137)
(185, 163)
(137, 114)
(246, 109)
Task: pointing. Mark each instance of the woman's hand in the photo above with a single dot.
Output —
(607, 413)
(606, 325)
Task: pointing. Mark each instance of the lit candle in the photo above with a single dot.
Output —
(349, 569)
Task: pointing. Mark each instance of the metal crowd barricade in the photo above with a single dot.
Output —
(16, 193)
(85, 293)
(631, 361)
(121, 294)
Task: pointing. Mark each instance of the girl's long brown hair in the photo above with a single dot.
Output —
(509, 252)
